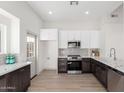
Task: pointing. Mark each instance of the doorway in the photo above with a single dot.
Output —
(32, 52)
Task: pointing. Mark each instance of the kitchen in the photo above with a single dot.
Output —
(54, 42)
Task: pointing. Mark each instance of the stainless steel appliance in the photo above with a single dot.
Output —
(74, 64)
(74, 44)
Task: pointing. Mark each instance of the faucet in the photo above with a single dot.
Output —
(114, 53)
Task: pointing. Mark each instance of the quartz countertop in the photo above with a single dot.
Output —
(7, 68)
(115, 64)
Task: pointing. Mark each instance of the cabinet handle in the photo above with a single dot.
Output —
(70, 63)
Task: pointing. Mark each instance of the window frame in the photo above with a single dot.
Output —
(3, 39)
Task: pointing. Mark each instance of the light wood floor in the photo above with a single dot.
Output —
(50, 81)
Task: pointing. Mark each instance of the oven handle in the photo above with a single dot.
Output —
(69, 62)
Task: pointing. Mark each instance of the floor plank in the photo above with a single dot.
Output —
(50, 81)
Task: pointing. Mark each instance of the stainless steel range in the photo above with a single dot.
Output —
(74, 64)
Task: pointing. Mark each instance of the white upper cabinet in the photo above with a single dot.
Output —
(85, 39)
(94, 39)
(63, 39)
(88, 39)
(73, 35)
(48, 34)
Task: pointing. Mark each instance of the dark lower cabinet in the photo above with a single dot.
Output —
(12, 81)
(16, 81)
(25, 82)
(93, 66)
(103, 77)
(86, 65)
(62, 65)
(100, 71)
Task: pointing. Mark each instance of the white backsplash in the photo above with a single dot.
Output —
(81, 52)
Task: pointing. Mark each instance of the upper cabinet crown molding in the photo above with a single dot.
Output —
(49, 34)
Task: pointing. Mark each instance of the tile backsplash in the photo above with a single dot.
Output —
(82, 52)
(2, 59)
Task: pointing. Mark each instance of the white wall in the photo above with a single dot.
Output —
(113, 34)
(29, 22)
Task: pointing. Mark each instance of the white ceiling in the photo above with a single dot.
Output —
(64, 12)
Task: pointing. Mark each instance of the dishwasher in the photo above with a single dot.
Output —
(115, 81)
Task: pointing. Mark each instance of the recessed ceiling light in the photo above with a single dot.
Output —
(50, 12)
(87, 12)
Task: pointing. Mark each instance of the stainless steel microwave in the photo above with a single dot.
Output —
(74, 44)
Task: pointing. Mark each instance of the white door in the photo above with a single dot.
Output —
(31, 52)
(51, 55)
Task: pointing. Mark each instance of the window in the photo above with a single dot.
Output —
(30, 46)
(3, 38)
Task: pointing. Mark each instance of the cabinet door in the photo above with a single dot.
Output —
(48, 34)
(103, 79)
(74, 36)
(94, 39)
(13, 81)
(86, 66)
(3, 85)
(98, 72)
(93, 66)
(63, 39)
(62, 65)
(25, 77)
(85, 39)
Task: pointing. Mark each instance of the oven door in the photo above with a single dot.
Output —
(74, 67)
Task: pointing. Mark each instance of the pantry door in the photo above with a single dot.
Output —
(31, 52)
